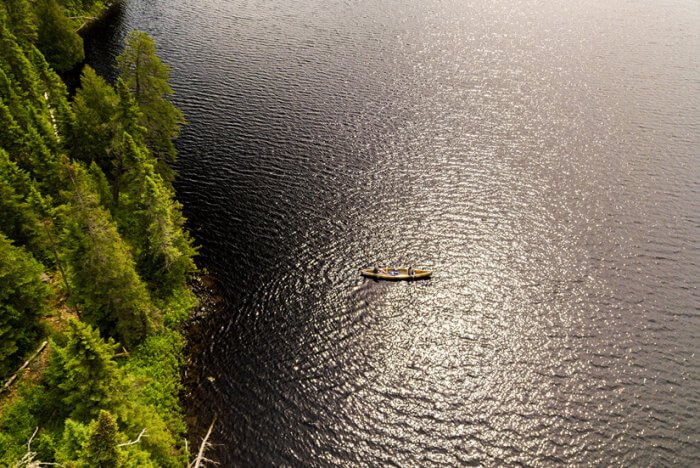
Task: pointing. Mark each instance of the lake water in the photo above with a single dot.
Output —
(542, 157)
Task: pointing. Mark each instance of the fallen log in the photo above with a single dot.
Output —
(11, 380)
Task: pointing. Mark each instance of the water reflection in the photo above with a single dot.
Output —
(539, 156)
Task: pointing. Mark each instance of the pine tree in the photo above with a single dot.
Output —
(73, 438)
(22, 301)
(106, 127)
(95, 107)
(28, 133)
(100, 185)
(101, 449)
(129, 141)
(21, 87)
(10, 95)
(163, 248)
(27, 147)
(12, 137)
(21, 20)
(81, 377)
(129, 114)
(45, 213)
(57, 40)
(16, 64)
(22, 91)
(147, 78)
(42, 163)
(103, 275)
(169, 251)
(19, 219)
(56, 95)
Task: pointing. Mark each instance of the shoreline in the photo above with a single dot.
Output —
(192, 374)
(102, 15)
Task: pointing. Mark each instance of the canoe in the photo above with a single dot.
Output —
(396, 273)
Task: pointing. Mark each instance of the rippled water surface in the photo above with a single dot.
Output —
(541, 156)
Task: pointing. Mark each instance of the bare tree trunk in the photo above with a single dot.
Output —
(200, 456)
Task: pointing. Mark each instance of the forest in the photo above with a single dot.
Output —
(94, 256)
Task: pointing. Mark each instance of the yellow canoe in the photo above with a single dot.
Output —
(395, 273)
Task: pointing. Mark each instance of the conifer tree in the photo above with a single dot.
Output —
(21, 20)
(103, 119)
(22, 301)
(103, 274)
(57, 40)
(147, 78)
(27, 149)
(95, 107)
(100, 185)
(82, 377)
(124, 149)
(15, 63)
(169, 249)
(19, 219)
(164, 249)
(129, 114)
(56, 94)
(129, 139)
(25, 98)
(16, 177)
(12, 137)
(21, 117)
(41, 164)
(42, 208)
(101, 449)
(73, 438)
(16, 106)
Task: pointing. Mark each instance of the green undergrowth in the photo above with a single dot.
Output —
(139, 391)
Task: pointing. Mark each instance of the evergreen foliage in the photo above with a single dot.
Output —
(129, 138)
(164, 250)
(21, 19)
(16, 65)
(74, 436)
(85, 194)
(168, 252)
(17, 422)
(101, 448)
(19, 219)
(30, 136)
(147, 78)
(100, 185)
(57, 40)
(82, 377)
(22, 301)
(102, 271)
(95, 108)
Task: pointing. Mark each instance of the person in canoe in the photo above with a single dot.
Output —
(411, 272)
(378, 271)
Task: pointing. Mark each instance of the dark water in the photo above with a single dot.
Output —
(542, 157)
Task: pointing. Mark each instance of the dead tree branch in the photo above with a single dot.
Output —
(29, 456)
(135, 441)
(205, 444)
(124, 352)
(24, 366)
